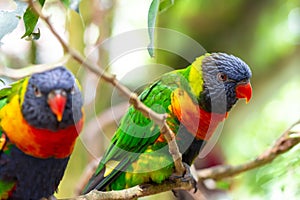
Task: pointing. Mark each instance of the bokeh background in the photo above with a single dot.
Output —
(265, 34)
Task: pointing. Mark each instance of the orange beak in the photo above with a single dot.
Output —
(244, 90)
(57, 101)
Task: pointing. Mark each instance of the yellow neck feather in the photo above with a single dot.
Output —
(23, 89)
(195, 76)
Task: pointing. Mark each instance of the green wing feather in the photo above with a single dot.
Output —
(5, 189)
(135, 133)
(10, 90)
(4, 93)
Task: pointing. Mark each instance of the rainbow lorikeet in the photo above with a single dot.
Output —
(40, 119)
(196, 100)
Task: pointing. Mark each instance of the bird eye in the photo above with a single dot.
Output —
(221, 76)
(72, 91)
(37, 91)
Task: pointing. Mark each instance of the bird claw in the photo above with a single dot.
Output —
(186, 177)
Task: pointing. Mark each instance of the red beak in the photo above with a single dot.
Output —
(57, 101)
(244, 90)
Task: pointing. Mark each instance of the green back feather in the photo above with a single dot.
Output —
(5, 188)
(9, 91)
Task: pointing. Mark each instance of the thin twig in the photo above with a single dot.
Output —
(285, 142)
(159, 119)
(23, 72)
(135, 192)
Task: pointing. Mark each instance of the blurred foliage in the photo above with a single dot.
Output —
(265, 34)
(9, 19)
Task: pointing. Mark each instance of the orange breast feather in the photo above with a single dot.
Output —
(33, 141)
(197, 121)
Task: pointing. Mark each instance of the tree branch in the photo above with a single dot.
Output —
(159, 119)
(21, 73)
(137, 191)
(289, 139)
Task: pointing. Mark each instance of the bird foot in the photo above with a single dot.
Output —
(186, 177)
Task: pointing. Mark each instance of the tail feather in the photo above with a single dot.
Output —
(100, 182)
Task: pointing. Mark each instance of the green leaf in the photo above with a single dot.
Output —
(30, 19)
(165, 5)
(156, 7)
(9, 20)
(152, 14)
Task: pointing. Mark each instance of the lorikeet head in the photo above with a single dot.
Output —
(226, 79)
(52, 100)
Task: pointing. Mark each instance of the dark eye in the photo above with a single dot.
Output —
(72, 91)
(221, 76)
(37, 91)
